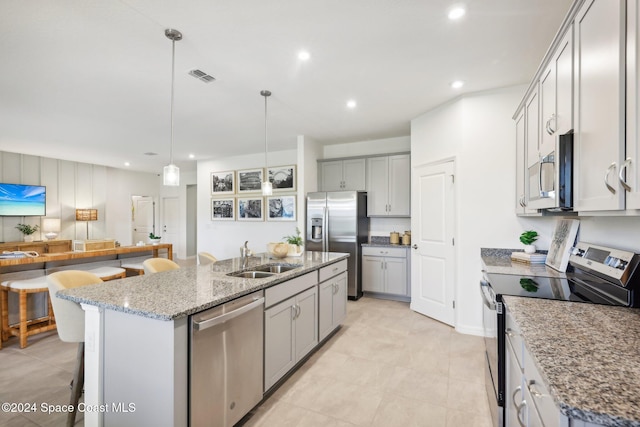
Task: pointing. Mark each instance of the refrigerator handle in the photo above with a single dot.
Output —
(325, 229)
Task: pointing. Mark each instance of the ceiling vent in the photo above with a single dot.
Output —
(201, 75)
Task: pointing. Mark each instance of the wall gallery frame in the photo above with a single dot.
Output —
(223, 209)
(250, 180)
(281, 208)
(251, 209)
(283, 178)
(223, 183)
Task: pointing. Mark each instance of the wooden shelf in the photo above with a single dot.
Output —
(42, 247)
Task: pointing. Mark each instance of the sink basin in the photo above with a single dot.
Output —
(277, 268)
(251, 274)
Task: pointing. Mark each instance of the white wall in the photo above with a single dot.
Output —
(224, 238)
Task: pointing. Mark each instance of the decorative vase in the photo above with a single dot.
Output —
(28, 238)
(154, 241)
(530, 249)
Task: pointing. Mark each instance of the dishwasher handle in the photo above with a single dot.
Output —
(200, 326)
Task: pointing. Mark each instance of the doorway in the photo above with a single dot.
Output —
(143, 215)
(433, 261)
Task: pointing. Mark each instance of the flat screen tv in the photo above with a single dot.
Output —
(22, 200)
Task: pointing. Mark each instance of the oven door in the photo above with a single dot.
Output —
(491, 333)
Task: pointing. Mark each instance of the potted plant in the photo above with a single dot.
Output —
(527, 238)
(153, 239)
(295, 242)
(27, 230)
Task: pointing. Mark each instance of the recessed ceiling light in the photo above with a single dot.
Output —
(127, 164)
(456, 13)
(457, 84)
(303, 55)
(351, 104)
(192, 156)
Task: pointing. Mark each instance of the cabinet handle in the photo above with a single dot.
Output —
(509, 332)
(381, 265)
(611, 167)
(513, 395)
(535, 393)
(623, 169)
(520, 407)
(551, 130)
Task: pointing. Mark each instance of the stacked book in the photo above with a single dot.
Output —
(534, 258)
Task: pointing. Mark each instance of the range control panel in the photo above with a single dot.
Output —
(615, 265)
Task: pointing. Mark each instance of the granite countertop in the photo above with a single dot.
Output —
(178, 293)
(587, 355)
(498, 261)
(383, 242)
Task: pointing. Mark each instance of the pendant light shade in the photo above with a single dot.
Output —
(171, 173)
(267, 187)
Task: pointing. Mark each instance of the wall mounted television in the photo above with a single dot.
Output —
(23, 200)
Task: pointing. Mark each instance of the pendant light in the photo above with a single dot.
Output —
(171, 172)
(267, 187)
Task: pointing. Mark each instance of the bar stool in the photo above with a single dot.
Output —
(135, 268)
(24, 328)
(109, 273)
(205, 258)
(156, 265)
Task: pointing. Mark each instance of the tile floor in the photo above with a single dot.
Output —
(387, 366)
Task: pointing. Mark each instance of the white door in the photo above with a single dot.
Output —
(143, 212)
(170, 220)
(433, 227)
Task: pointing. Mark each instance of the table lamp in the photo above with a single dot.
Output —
(51, 227)
(87, 215)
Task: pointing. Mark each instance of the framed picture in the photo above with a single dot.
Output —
(562, 241)
(281, 208)
(251, 209)
(249, 180)
(222, 183)
(223, 209)
(283, 178)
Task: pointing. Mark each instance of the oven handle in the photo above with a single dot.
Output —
(486, 295)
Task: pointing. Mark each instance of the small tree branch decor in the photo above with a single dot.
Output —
(27, 229)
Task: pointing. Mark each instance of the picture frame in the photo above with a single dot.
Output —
(250, 180)
(564, 237)
(281, 208)
(223, 183)
(223, 209)
(282, 178)
(250, 209)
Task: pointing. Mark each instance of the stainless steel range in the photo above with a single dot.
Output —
(596, 275)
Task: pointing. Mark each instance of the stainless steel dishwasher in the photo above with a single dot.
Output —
(226, 361)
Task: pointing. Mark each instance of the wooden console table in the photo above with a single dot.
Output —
(42, 246)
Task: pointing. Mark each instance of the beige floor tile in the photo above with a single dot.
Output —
(398, 411)
(426, 387)
(468, 397)
(283, 414)
(461, 418)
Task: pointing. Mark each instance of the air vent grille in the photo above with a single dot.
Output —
(201, 75)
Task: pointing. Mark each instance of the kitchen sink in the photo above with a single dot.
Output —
(277, 268)
(251, 274)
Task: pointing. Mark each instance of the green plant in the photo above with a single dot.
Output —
(528, 237)
(27, 229)
(529, 285)
(294, 239)
(153, 236)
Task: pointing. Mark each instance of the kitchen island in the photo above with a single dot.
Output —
(137, 333)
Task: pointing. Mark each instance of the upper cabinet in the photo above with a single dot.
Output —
(388, 185)
(629, 174)
(522, 207)
(599, 105)
(341, 175)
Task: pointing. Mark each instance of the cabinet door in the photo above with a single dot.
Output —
(514, 395)
(563, 122)
(547, 110)
(279, 356)
(400, 185)
(353, 174)
(325, 311)
(306, 322)
(340, 299)
(521, 168)
(372, 273)
(532, 127)
(599, 105)
(377, 186)
(631, 172)
(396, 276)
(331, 176)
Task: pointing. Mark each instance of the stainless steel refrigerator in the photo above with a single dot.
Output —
(337, 222)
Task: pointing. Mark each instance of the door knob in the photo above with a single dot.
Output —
(415, 246)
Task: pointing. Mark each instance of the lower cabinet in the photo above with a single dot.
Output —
(333, 304)
(291, 331)
(385, 270)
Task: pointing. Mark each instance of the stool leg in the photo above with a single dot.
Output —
(23, 318)
(78, 384)
(4, 309)
(52, 317)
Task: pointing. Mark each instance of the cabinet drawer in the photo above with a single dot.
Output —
(542, 401)
(513, 337)
(282, 291)
(384, 251)
(332, 270)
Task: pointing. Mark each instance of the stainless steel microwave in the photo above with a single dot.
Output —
(550, 180)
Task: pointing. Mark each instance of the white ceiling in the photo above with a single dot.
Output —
(89, 80)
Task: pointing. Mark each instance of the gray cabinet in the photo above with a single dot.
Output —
(385, 271)
(332, 296)
(290, 326)
(339, 175)
(389, 185)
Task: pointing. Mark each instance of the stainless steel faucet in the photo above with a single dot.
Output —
(245, 253)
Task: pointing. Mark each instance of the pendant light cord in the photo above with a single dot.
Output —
(266, 164)
(173, 72)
